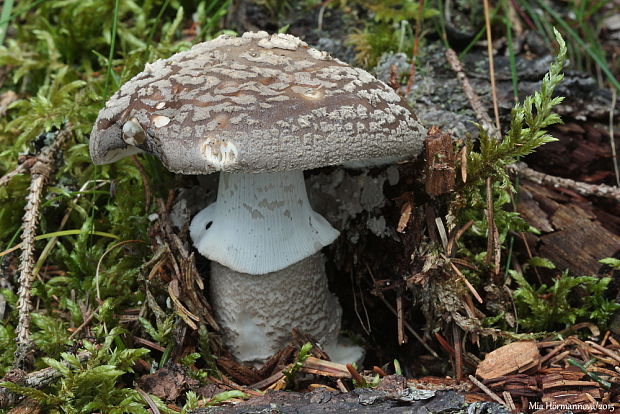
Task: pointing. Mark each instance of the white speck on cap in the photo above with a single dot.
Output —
(282, 41)
(133, 134)
(160, 121)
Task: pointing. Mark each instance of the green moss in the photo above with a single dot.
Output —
(57, 59)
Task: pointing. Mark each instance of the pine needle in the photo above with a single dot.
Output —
(487, 21)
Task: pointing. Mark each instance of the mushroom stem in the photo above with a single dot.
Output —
(267, 275)
(258, 312)
(260, 223)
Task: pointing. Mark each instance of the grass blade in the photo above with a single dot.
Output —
(5, 19)
(575, 36)
(112, 46)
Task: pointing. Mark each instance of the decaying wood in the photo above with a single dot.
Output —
(275, 363)
(458, 352)
(300, 338)
(517, 357)
(585, 189)
(571, 235)
(400, 400)
(240, 373)
(26, 406)
(439, 156)
(40, 171)
(608, 352)
(167, 383)
(272, 374)
(269, 381)
(579, 246)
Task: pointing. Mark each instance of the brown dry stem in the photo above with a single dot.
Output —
(472, 97)
(41, 172)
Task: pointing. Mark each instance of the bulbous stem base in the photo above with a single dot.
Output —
(258, 312)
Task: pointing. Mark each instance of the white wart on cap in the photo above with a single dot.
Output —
(256, 103)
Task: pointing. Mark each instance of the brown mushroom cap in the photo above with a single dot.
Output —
(255, 103)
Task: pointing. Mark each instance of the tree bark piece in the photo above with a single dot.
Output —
(566, 386)
(440, 175)
(509, 359)
(572, 236)
(359, 401)
(579, 246)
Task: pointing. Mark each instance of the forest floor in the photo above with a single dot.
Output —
(460, 305)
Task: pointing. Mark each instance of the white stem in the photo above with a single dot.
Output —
(257, 313)
(260, 223)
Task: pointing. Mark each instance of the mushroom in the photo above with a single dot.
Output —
(260, 109)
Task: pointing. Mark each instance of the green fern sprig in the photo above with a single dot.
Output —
(527, 128)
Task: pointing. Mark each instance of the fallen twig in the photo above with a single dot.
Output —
(458, 353)
(604, 350)
(472, 97)
(494, 248)
(400, 318)
(36, 379)
(40, 171)
(410, 329)
(486, 390)
(20, 169)
(584, 189)
(462, 276)
(147, 398)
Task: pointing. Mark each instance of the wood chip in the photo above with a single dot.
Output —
(405, 215)
(440, 171)
(509, 359)
(317, 366)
